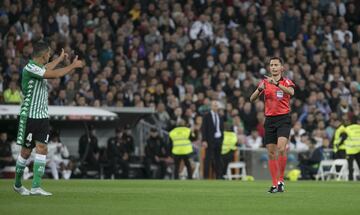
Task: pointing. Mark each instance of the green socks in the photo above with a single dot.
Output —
(19, 171)
(39, 169)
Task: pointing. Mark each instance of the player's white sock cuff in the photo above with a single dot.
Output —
(40, 158)
(21, 160)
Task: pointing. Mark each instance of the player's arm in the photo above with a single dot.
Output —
(289, 90)
(57, 73)
(55, 62)
(257, 92)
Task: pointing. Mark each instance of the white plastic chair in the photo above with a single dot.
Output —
(236, 165)
(356, 172)
(343, 173)
(196, 173)
(324, 169)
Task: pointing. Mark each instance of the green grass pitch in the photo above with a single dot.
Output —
(135, 197)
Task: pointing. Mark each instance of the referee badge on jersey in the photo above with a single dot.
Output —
(279, 94)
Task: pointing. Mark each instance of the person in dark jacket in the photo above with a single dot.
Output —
(89, 151)
(213, 135)
(6, 158)
(119, 149)
(156, 154)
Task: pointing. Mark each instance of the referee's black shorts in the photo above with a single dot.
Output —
(277, 126)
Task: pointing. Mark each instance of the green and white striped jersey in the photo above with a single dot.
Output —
(35, 97)
(35, 92)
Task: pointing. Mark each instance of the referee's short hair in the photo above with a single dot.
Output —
(39, 48)
(277, 58)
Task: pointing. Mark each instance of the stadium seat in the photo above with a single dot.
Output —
(356, 172)
(342, 173)
(196, 173)
(324, 169)
(236, 165)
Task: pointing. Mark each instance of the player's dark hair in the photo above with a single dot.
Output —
(277, 58)
(39, 48)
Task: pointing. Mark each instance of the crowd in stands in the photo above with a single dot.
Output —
(177, 56)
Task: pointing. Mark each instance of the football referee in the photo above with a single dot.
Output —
(277, 91)
(33, 131)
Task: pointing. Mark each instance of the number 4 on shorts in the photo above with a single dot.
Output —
(29, 137)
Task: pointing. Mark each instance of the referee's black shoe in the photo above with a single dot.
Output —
(281, 187)
(273, 189)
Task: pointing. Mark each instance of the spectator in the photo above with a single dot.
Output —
(323, 106)
(89, 151)
(6, 158)
(310, 159)
(163, 116)
(58, 158)
(248, 116)
(61, 98)
(254, 141)
(296, 133)
(119, 149)
(12, 95)
(156, 153)
(290, 23)
(202, 29)
(337, 8)
(152, 37)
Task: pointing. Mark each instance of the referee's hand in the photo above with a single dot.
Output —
(261, 86)
(270, 80)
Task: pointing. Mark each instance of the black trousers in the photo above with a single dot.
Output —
(117, 163)
(91, 163)
(351, 159)
(226, 159)
(308, 171)
(340, 154)
(159, 173)
(213, 159)
(186, 159)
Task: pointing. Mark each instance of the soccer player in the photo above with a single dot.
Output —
(277, 91)
(33, 131)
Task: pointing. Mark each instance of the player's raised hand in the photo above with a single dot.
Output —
(63, 55)
(77, 63)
